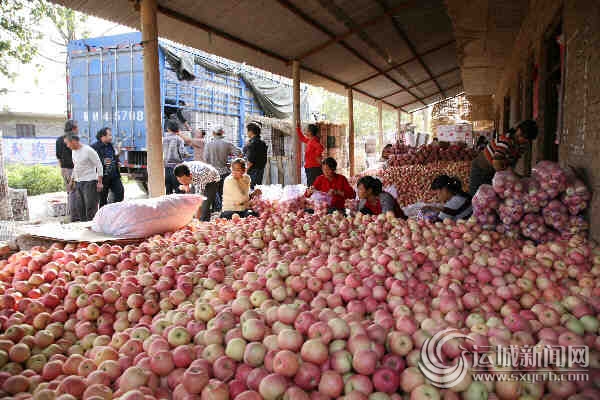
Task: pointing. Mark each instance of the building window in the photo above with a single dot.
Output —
(278, 139)
(25, 130)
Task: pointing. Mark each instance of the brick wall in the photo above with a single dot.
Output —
(580, 135)
(44, 126)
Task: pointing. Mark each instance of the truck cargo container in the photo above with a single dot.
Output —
(106, 89)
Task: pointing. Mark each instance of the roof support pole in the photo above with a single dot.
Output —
(351, 130)
(399, 126)
(297, 122)
(380, 125)
(156, 169)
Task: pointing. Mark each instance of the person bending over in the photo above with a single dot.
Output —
(236, 191)
(501, 154)
(373, 200)
(457, 203)
(333, 184)
(199, 177)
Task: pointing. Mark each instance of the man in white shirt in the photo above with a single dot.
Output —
(86, 177)
(198, 177)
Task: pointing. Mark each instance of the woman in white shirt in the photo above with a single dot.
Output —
(236, 191)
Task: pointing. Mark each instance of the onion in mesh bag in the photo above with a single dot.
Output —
(577, 224)
(507, 184)
(510, 230)
(511, 211)
(485, 199)
(484, 219)
(551, 177)
(533, 226)
(576, 196)
(556, 215)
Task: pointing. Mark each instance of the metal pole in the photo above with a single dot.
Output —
(351, 130)
(297, 121)
(156, 170)
(399, 126)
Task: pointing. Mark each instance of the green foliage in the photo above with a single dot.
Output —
(17, 38)
(19, 24)
(37, 179)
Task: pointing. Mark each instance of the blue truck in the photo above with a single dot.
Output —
(106, 89)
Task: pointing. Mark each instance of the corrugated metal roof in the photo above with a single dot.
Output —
(388, 50)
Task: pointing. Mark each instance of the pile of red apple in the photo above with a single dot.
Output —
(402, 154)
(292, 306)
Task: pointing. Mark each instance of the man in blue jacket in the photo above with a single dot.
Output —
(110, 160)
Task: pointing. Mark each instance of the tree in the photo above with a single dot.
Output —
(19, 34)
(18, 41)
(69, 24)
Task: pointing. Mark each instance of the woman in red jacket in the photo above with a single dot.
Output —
(312, 153)
(335, 185)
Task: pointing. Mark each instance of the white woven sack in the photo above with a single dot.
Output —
(146, 217)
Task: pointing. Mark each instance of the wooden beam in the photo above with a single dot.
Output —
(380, 124)
(400, 31)
(350, 32)
(399, 116)
(211, 29)
(303, 16)
(422, 82)
(337, 81)
(197, 24)
(297, 122)
(341, 16)
(412, 102)
(156, 167)
(392, 67)
(351, 130)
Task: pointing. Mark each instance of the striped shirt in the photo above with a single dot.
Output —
(202, 174)
(504, 149)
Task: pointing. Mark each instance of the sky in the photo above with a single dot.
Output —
(44, 90)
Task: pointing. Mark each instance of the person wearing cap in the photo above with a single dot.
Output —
(216, 153)
(65, 160)
(255, 152)
(312, 153)
(501, 154)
